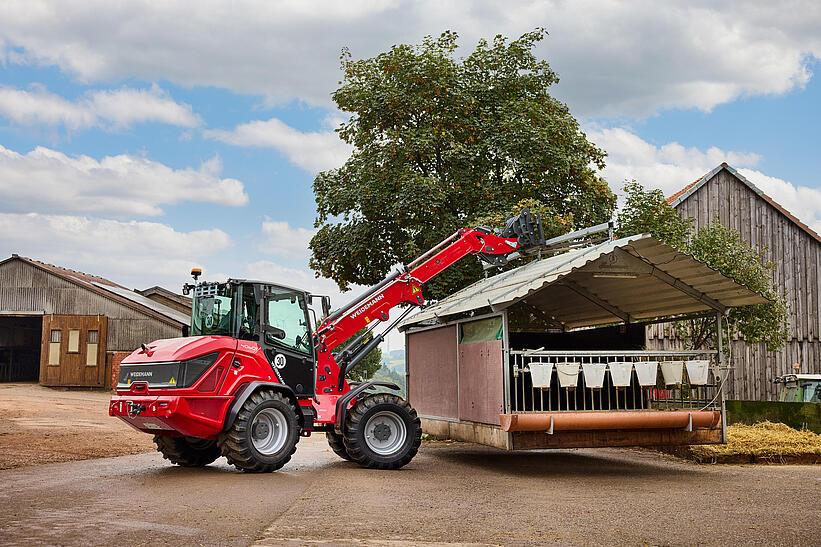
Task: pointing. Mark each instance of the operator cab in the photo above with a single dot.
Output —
(280, 319)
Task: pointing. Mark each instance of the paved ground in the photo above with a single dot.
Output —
(451, 493)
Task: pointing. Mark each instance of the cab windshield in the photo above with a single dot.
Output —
(212, 312)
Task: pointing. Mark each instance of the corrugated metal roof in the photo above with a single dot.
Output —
(108, 289)
(153, 305)
(605, 283)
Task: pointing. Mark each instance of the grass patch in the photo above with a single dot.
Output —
(764, 442)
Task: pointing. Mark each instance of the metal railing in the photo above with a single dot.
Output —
(558, 381)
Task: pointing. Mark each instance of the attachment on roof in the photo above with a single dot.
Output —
(525, 227)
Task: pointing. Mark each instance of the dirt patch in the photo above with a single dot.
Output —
(43, 425)
(765, 443)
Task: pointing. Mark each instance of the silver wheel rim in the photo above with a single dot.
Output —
(269, 430)
(385, 433)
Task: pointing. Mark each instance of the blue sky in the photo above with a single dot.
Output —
(140, 139)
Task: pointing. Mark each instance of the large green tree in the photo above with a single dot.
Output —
(442, 142)
(720, 247)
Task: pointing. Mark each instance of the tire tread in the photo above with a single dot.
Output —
(358, 451)
(235, 446)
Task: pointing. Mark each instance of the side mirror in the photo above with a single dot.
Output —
(273, 334)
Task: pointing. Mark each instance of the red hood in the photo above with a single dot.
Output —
(180, 349)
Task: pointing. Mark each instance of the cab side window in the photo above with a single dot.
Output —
(288, 315)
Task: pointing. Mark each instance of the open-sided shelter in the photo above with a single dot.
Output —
(552, 353)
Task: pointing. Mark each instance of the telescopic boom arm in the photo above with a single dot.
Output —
(405, 286)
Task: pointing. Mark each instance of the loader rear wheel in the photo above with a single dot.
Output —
(187, 451)
(382, 432)
(264, 435)
(337, 444)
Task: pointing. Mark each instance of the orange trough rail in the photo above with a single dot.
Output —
(579, 421)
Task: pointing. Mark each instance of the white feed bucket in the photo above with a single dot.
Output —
(568, 374)
(647, 372)
(620, 373)
(698, 371)
(541, 373)
(672, 372)
(594, 374)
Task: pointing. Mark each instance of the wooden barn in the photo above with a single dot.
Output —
(726, 196)
(68, 328)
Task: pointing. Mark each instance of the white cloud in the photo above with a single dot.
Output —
(802, 201)
(672, 166)
(283, 240)
(300, 278)
(49, 181)
(137, 254)
(312, 151)
(115, 109)
(615, 58)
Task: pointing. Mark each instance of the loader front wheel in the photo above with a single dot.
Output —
(337, 444)
(187, 451)
(264, 435)
(382, 432)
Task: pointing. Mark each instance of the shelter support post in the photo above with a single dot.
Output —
(506, 362)
(724, 371)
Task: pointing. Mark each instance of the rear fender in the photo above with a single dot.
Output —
(246, 390)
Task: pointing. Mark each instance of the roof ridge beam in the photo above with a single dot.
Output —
(661, 275)
(595, 299)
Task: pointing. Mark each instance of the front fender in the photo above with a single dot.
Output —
(342, 402)
(246, 390)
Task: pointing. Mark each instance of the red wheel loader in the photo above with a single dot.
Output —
(255, 375)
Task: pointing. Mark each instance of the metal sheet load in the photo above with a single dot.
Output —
(590, 420)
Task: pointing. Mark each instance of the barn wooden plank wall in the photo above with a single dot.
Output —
(26, 288)
(797, 256)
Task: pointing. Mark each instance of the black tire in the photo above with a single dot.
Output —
(187, 451)
(237, 443)
(337, 444)
(374, 406)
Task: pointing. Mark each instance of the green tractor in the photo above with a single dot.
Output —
(799, 388)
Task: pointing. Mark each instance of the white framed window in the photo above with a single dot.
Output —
(92, 345)
(55, 338)
(73, 341)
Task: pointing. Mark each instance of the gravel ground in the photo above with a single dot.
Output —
(42, 425)
(451, 494)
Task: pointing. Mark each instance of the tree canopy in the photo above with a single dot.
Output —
(442, 142)
(721, 248)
